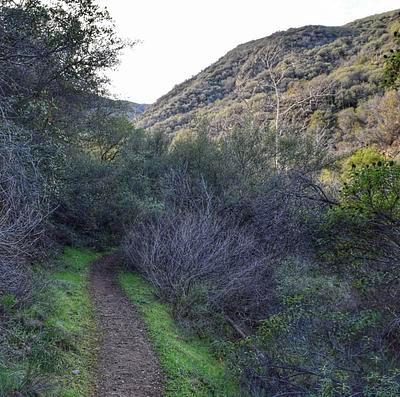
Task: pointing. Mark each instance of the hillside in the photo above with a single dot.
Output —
(133, 109)
(127, 108)
(348, 59)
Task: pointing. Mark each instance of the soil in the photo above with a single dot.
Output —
(128, 366)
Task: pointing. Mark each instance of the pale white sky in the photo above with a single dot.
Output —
(179, 38)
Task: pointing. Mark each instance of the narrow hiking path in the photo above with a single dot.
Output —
(128, 366)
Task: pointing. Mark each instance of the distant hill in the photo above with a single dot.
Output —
(348, 58)
(133, 109)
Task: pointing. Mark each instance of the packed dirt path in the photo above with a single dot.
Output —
(127, 365)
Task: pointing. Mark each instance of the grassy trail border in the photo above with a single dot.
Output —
(189, 366)
(54, 338)
(75, 313)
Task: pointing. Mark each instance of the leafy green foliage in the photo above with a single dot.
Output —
(369, 206)
(373, 191)
(360, 245)
(196, 151)
(56, 45)
(392, 65)
(318, 342)
(98, 198)
(105, 134)
(361, 158)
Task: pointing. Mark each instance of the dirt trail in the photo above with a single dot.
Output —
(127, 366)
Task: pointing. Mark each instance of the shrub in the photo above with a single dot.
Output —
(194, 258)
(362, 157)
(364, 226)
(318, 341)
(205, 256)
(22, 211)
(392, 65)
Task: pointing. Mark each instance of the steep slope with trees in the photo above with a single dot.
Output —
(324, 73)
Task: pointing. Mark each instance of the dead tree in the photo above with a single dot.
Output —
(288, 102)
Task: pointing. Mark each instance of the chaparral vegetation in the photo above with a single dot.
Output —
(256, 208)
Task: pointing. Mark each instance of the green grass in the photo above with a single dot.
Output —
(53, 336)
(74, 316)
(189, 366)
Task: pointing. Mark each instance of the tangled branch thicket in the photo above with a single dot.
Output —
(202, 256)
(22, 212)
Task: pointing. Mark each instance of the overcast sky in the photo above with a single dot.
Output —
(179, 38)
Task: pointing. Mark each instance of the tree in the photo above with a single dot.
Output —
(105, 133)
(196, 151)
(288, 108)
(49, 53)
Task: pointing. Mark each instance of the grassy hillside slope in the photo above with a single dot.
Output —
(347, 59)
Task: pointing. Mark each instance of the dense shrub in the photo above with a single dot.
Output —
(22, 211)
(360, 245)
(297, 287)
(98, 199)
(392, 66)
(359, 159)
(187, 255)
(333, 327)
(374, 122)
(204, 251)
(369, 207)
